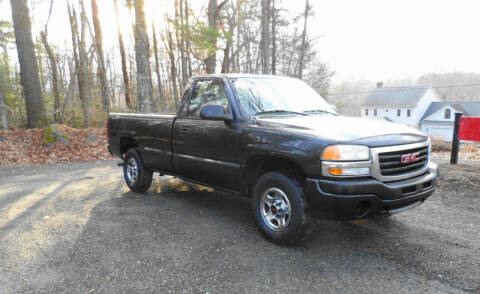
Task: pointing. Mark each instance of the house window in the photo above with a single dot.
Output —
(409, 112)
(375, 112)
(447, 113)
(399, 112)
(366, 111)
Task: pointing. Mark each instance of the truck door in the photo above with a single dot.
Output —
(206, 150)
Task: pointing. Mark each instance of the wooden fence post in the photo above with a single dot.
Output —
(455, 140)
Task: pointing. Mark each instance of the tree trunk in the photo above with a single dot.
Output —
(265, 46)
(110, 62)
(70, 90)
(187, 44)
(226, 57)
(161, 94)
(141, 56)
(41, 72)
(54, 68)
(304, 41)
(210, 61)
(274, 39)
(84, 71)
(3, 108)
(183, 56)
(80, 58)
(102, 72)
(126, 82)
(173, 70)
(28, 64)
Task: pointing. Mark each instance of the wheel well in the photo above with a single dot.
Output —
(258, 165)
(127, 143)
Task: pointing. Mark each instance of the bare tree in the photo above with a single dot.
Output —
(124, 59)
(182, 45)
(303, 47)
(80, 58)
(213, 11)
(102, 72)
(28, 64)
(265, 51)
(53, 68)
(70, 92)
(3, 108)
(187, 42)
(210, 62)
(231, 16)
(141, 57)
(274, 38)
(161, 93)
(173, 70)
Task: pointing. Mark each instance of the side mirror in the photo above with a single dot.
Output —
(214, 112)
(334, 107)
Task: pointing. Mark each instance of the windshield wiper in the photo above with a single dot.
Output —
(279, 111)
(317, 111)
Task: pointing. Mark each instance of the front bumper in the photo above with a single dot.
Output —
(361, 198)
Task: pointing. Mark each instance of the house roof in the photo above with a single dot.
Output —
(468, 108)
(395, 96)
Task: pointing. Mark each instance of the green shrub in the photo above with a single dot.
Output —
(49, 137)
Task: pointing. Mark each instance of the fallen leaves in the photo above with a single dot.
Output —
(26, 147)
(467, 151)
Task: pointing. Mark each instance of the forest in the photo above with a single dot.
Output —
(79, 83)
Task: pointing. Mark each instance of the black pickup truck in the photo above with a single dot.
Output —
(276, 141)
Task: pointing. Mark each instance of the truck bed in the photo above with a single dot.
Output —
(152, 134)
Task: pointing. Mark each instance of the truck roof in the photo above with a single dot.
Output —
(240, 75)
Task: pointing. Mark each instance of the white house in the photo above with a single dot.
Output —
(405, 105)
(418, 107)
(438, 119)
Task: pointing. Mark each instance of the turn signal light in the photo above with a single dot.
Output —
(332, 153)
(350, 171)
(335, 171)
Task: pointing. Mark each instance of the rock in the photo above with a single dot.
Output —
(53, 134)
(2, 139)
(91, 138)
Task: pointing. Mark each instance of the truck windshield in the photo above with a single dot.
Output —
(279, 96)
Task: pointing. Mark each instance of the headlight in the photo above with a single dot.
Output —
(346, 153)
(346, 161)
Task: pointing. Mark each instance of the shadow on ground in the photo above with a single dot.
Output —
(187, 238)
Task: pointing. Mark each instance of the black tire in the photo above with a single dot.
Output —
(298, 225)
(143, 179)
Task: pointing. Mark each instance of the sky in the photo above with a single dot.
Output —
(384, 39)
(375, 40)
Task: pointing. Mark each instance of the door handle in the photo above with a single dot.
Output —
(183, 131)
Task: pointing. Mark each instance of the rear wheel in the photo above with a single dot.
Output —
(280, 209)
(137, 177)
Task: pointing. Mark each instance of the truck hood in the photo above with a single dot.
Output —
(342, 128)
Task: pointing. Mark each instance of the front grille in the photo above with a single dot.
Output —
(391, 165)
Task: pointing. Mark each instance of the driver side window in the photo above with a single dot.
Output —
(207, 92)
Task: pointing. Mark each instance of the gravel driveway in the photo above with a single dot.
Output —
(76, 228)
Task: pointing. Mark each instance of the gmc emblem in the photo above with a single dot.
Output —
(410, 157)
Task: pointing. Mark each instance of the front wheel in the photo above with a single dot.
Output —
(137, 177)
(280, 209)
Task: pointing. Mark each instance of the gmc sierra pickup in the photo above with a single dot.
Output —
(276, 141)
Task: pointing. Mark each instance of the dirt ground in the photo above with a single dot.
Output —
(76, 228)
